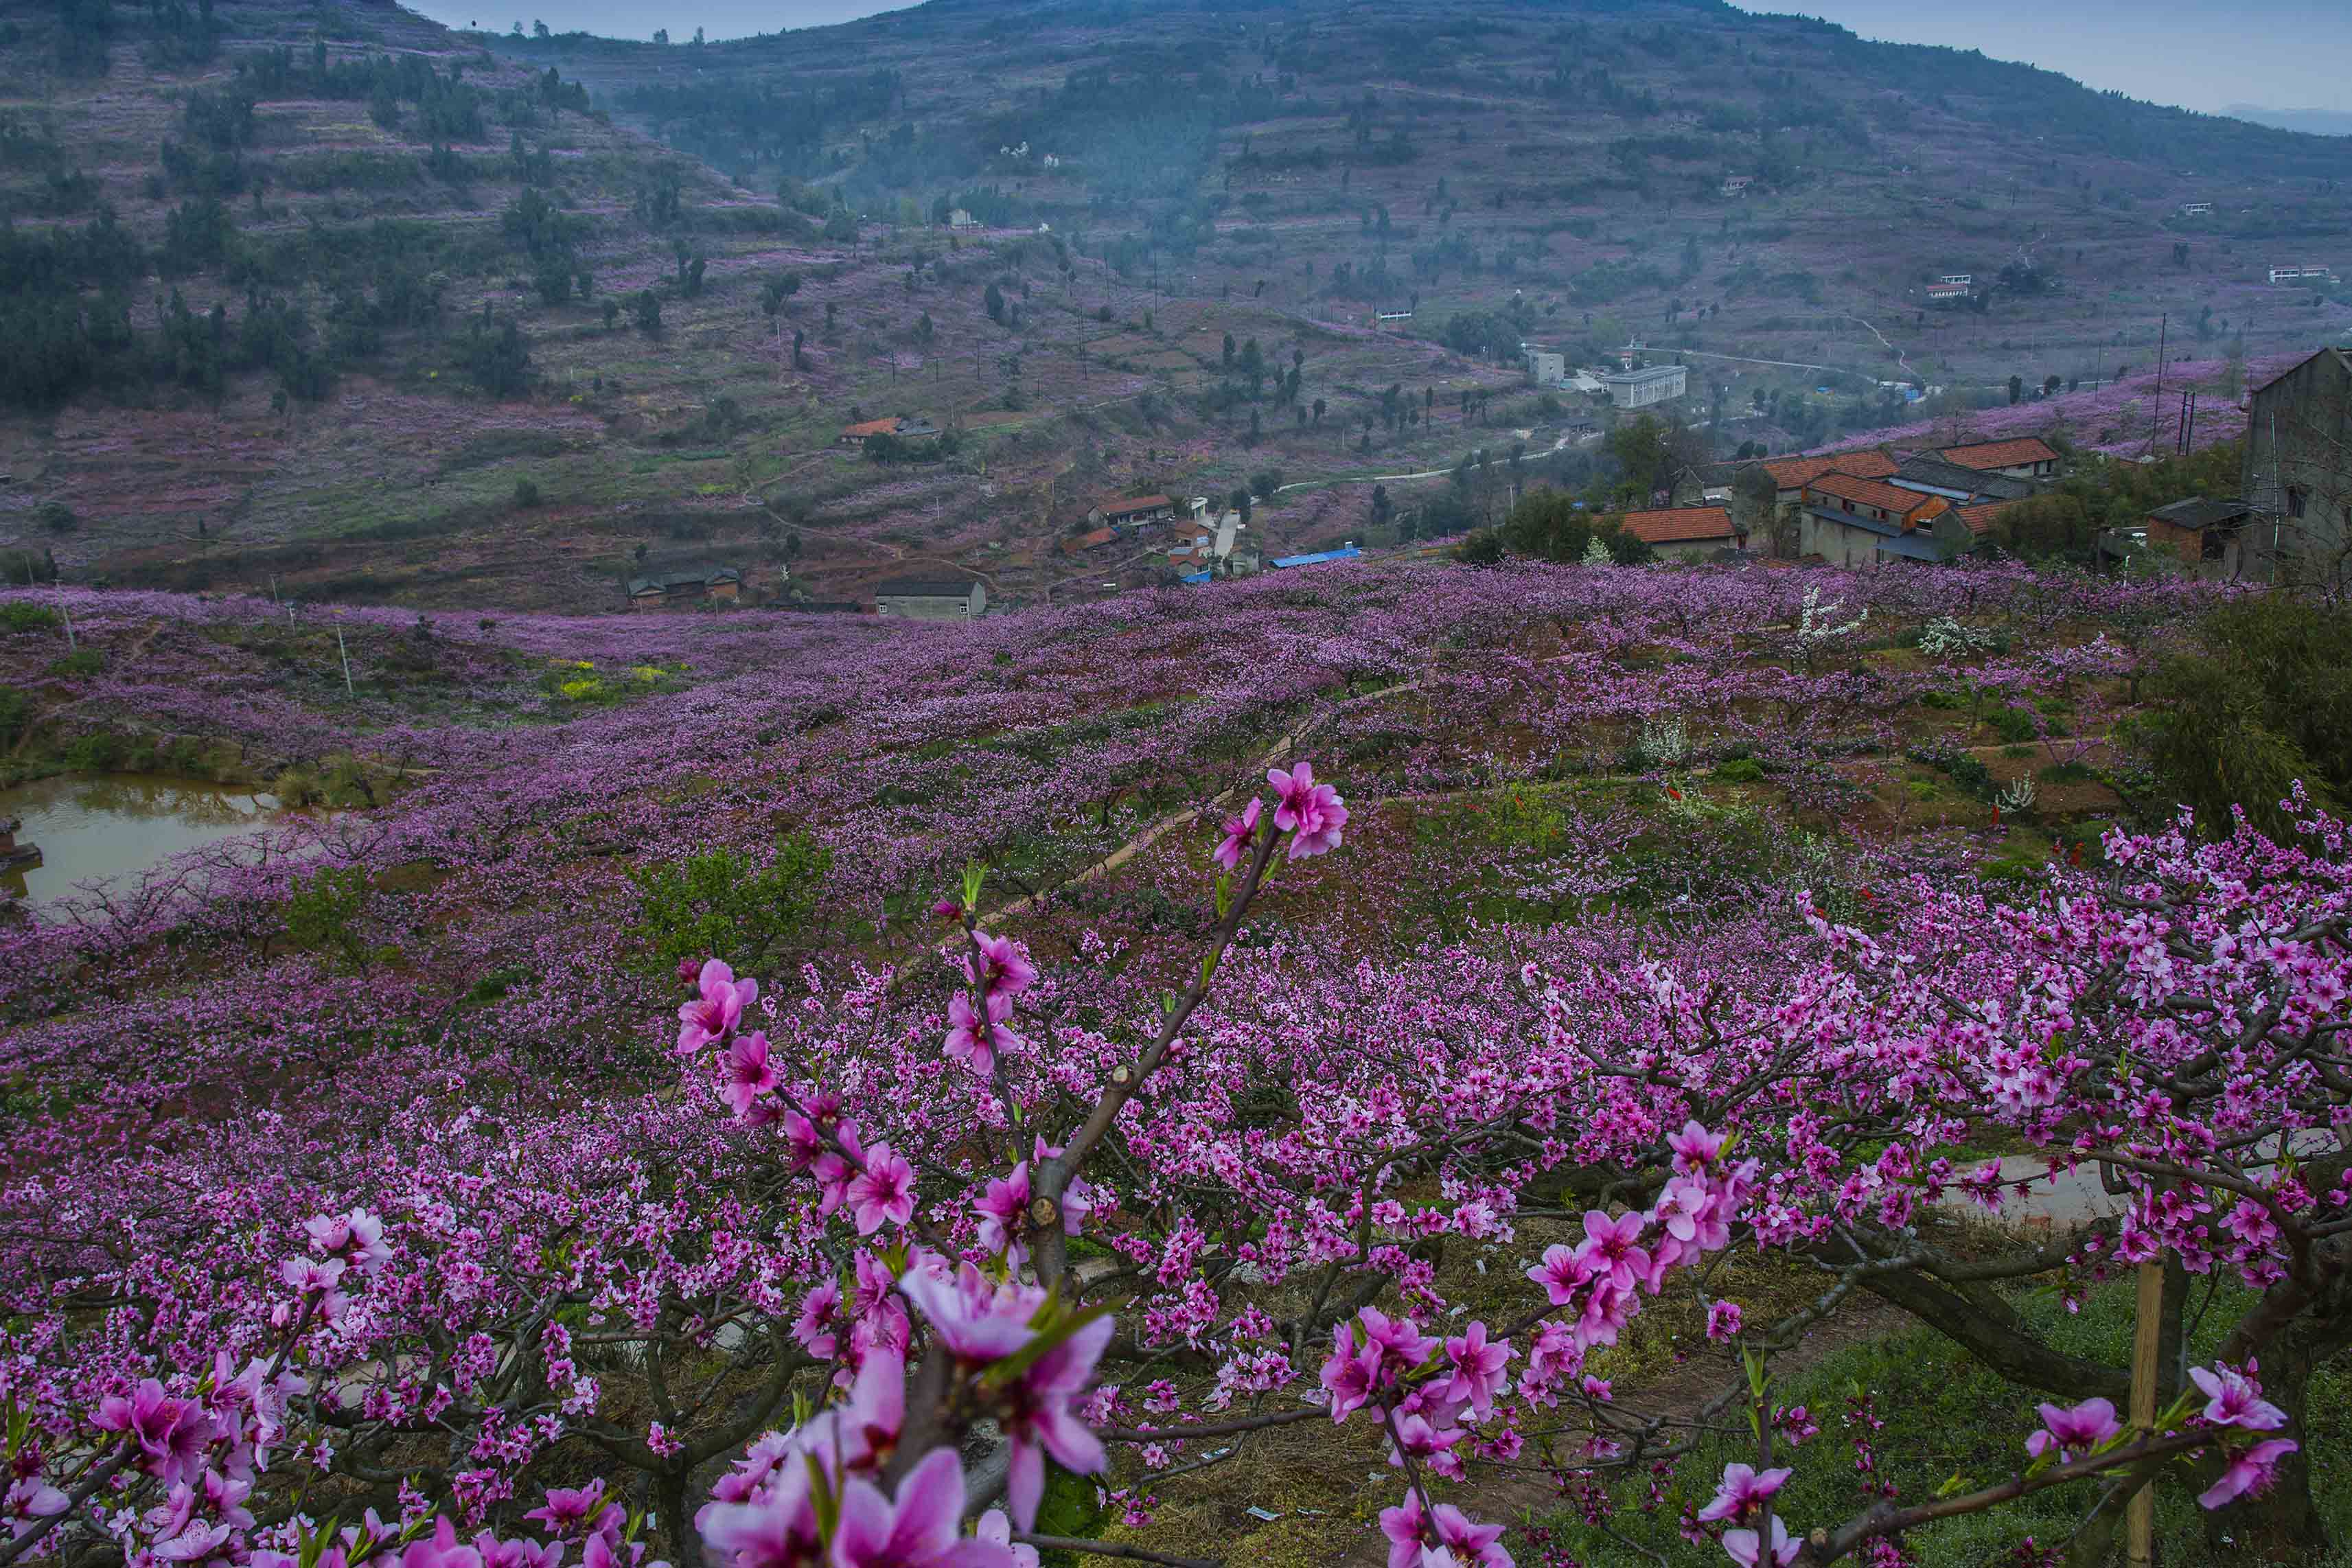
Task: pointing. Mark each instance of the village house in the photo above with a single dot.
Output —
(1737, 184)
(1546, 368)
(1791, 474)
(1224, 549)
(1132, 512)
(1347, 552)
(1643, 388)
(2029, 458)
(1931, 475)
(2302, 275)
(1947, 293)
(2298, 470)
(899, 425)
(2203, 534)
(1686, 532)
(2197, 209)
(961, 221)
(674, 590)
(931, 599)
(1079, 543)
(1850, 521)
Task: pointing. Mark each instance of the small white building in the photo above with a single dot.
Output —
(1962, 278)
(1642, 388)
(962, 222)
(1546, 368)
(2302, 275)
(2197, 209)
(1737, 184)
(930, 599)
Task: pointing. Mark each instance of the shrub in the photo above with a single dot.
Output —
(15, 715)
(24, 616)
(1483, 547)
(526, 495)
(2014, 725)
(1739, 770)
(323, 911)
(2258, 698)
(721, 905)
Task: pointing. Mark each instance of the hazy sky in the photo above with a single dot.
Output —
(2202, 54)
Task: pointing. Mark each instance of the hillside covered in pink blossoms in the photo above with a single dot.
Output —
(1056, 1080)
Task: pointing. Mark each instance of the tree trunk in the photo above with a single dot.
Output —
(2293, 1330)
(677, 1526)
(2281, 1526)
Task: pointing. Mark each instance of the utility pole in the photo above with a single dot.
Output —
(2163, 323)
(346, 653)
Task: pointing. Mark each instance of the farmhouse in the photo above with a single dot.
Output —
(1641, 388)
(1079, 544)
(2204, 534)
(2197, 209)
(1737, 184)
(1686, 532)
(1931, 475)
(1850, 521)
(2302, 275)
(2030, 458)
(1947, 293)
(673, 589)
(1347, 552)
(931, 599)
(961, 221)
(1221, 549)
(1132, 511)
(1791, 474)
(2298, 469)
(900, 424)
(1546, 368)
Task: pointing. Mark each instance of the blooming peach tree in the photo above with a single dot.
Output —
(855, 1291)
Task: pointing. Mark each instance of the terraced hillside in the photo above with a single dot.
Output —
(448, 334)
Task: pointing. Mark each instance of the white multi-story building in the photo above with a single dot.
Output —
(1641, 388)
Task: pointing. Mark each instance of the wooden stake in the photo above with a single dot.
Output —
(2139, 1520)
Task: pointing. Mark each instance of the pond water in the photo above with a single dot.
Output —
(92, 826)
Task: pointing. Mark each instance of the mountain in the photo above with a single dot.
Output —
(2310, 122)
(325, 296)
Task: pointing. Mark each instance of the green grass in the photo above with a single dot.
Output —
(1943, 1418)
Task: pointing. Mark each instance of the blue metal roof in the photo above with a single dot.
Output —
(1317, 559)
(1911, 547)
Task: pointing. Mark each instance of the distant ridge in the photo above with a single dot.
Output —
(2310, 122)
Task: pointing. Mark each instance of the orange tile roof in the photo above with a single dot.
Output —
(1980, 518)
(1680, 524)
(1088, 541)
(1138, 503)
(2001, 454)
(872, 427)
(1796, 473)
(1870, 492)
